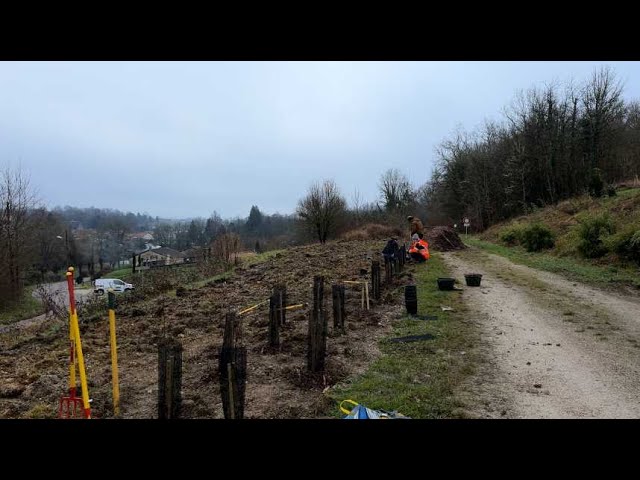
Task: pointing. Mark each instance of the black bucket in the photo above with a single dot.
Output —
(411, 299)
(446, 283)
(473, 279)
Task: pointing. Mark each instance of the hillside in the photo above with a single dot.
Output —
(590, 232)
(33, 364)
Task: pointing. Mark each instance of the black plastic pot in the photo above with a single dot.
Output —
(446, 283)
(411, 299)
(473, 279)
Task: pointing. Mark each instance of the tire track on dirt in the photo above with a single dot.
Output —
(555, 348)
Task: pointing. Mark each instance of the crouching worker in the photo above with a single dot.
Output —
(390, 251)
(419, 250)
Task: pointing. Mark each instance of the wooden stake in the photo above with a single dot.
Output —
(232, 413)
(274, 320)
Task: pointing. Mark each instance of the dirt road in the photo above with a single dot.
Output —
(58, 292)
(553, 348)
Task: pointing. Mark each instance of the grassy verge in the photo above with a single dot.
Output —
(419, 379)
(119, 273)
(216, 278)
(244, 262)
(27, 307)
(572, 268)
(260, 257)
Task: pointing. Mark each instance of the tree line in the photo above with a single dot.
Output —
(257, 229)
(554, 142)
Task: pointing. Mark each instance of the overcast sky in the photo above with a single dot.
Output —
(182, 139)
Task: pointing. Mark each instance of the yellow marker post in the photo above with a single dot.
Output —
(114, 352)
(76, 334)
(247, 310)
(296, 307)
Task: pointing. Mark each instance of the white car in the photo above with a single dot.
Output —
(102, 285)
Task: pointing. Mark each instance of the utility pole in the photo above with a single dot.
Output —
(66, 245)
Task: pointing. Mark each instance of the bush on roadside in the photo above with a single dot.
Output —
(536, 237)
(592, 231)
(626, 243)
(511, 235)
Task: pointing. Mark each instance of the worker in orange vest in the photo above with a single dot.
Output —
(419, 249)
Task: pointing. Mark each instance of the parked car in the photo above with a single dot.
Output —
(101, 285)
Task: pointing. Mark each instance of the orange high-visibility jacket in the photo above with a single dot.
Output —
(421, 247)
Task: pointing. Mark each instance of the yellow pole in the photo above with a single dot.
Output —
(295, 307)
(114, 354)
(247, 310)
(75, 333)
(83, 376)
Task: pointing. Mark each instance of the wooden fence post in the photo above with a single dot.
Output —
(317, 328)
(375, 279)
(169, 378)
(232, 369)
(338, 295)
(274, 319)
(387, 271)
(282, 303)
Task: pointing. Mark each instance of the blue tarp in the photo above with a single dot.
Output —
(360, 412)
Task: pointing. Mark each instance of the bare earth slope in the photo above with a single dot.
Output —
(34, 358)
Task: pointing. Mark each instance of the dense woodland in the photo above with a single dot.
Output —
(552, 143)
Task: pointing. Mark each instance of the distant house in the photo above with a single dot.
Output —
(160, 256)
(146, 236)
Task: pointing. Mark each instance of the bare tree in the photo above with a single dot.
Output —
(16, 201)
(604, 110)
(323, 209)
(164, 235)
(226, 247)
(357, 204)
(396, 190)
(48, 246)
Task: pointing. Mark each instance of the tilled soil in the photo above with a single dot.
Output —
(34, 359)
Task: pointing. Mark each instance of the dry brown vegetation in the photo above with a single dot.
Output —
(372, 231)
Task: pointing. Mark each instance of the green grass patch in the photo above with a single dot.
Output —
(119, 273)
(216, 278)
(245, 262)
(27, 307)
(573, 268)
(260, 258)
(419, 379)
